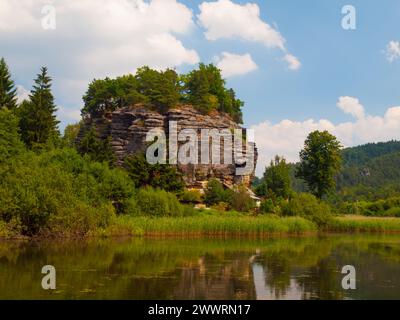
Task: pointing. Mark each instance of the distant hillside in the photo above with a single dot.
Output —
(369, 171)
(363, 154)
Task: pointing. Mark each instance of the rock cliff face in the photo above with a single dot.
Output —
(127, 128)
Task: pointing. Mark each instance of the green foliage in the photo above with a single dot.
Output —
(98, 149)
(38, 123)
(376, 173)
(8, 92)
(59, 189)
(309, 207)
(159, 203)
(361, 155)
(191, 196)
(162, 90)
(215, 193)
(110, 94)
(156, 88)
(276, 180)
(223, 225)
(320, 162)
(10, 143)
(70, 134)
(161, 176)
(381, 208)
(369, 172)
(241, 201)
(205, 89)
(267, 206)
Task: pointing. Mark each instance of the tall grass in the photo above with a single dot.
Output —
(364, 224)
(210, 226)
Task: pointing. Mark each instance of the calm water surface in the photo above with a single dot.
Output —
(278, 268)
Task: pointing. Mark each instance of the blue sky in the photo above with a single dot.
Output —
(345, 81)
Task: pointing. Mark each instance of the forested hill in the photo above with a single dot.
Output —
(368, 171)
(371, 165)
(363, 154)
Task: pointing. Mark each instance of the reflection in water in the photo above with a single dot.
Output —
(278, 268)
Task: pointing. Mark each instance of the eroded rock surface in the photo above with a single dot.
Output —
(128, 127)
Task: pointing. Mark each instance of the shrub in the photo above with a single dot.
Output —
(308, 206)
(215, 193)
(267, 206)
(154, 202)
(61, 188)
(241, 200)
(191, 196)
(220, 206)
(393, 212)
(159, 176)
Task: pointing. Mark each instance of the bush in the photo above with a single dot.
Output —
(153, 202)
(158, 176)
(191, 196)
(308, 206)
(267, 206)
(215, 193)
(61, 188)
(221, 206)
(393, 212)
(241, 200)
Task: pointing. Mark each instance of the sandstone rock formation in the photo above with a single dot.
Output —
(128, 127)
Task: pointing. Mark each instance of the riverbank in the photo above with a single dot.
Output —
(245, 226)
(224, 225)
(354, 223)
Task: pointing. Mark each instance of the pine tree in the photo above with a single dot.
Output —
(8, 92)
(38, 122)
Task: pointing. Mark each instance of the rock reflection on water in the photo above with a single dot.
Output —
(279, 268)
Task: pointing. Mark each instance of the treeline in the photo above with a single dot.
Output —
(367, 182)
(204, 88)
(368, 172)
(51, 185)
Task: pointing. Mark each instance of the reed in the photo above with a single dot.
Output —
(364, 224)
(211, 226)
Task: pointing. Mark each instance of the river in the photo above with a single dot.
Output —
(141, 268)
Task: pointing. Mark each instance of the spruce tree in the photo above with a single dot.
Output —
(8, 92)
(38, 122)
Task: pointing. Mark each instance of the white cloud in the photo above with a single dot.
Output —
(224, 19)
(351, 106)
(94, 39)
(287, 137)
(234, 64)
(22, 93)
(292, 61)
(393, 51)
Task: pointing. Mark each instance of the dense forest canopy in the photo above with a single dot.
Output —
(204, 88)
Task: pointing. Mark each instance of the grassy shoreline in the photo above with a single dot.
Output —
(354, 224)
(245, 226)
(229, 226)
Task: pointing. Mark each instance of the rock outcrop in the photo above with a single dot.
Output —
(128, 127)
